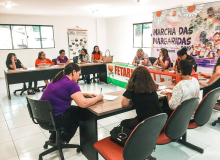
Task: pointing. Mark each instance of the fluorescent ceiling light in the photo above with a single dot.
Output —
(8, 5)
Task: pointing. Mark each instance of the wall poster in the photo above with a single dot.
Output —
(195, 27)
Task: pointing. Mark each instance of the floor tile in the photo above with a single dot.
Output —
(21, 132)
(209, 153)
(2, 118)
(109, 120)
(7, 150)
(78, 156)
(127, 115)
(16, 114)
(34, 155)
(5, 136)
(204, 135)
(110, 127)
(10, 102)
(19, 122)
(167, 152)
(30, 143)
(12, 108)
(103, 133)
(3, 126)
(13, 158)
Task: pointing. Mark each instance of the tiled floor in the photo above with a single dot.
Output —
(20, 139)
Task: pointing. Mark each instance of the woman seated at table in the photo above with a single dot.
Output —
(96, 57)
(187, 88)
(13, 63)
(141, 57)
(182, 55)
(214, 81)
(43, 61)
(62, 59)
(163, 61)
(82, 59)
(141, 94)
(60, 93)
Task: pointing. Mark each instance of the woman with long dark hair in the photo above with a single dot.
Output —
(60, 93)
(163, 61)
(141, 94)
(96, 58)
(13, 63)
(84, 58)
(96, 54)
(214, 81)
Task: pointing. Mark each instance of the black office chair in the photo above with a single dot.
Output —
(140, 143)
(75, 59)
(41, 113)
(22, 90)
(176, 127)
(152, 59)
(54, 61)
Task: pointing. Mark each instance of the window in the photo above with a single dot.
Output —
(26, 37)
(5, 37)
(142, 35)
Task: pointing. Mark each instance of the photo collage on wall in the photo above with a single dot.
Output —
(77, 41)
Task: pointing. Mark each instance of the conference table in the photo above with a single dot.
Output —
(43, 73)
(89, 117)
(104, 109)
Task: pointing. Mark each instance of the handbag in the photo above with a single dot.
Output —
(120, 135)
(107, 59)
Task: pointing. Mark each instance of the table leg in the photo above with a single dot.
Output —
(7, 87)
(88, 133)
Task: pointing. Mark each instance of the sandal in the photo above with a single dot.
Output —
(36, 90)
(30, 93)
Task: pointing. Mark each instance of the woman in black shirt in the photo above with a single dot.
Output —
(13, 63)
(141, 94)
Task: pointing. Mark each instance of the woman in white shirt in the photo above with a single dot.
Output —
(187, 88)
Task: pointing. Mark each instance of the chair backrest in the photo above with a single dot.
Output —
(42, 112)
(143, 139)
(54, 61)
(152, 59)
(204, 109)
(75, 59)
(178, 122)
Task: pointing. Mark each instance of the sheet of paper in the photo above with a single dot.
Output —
(130, 65)
(109, 97)
(172, 71)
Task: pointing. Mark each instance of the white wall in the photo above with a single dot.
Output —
(101, 34)
(119, 39)
(60, 24)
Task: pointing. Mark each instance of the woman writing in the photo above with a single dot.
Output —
(187, 88)
(43, 61)
(214, 81)
(163, 61)
(141, 93)
(84, 58)
(60, 93)
(62, 59)
(141, 57)
(13, 63)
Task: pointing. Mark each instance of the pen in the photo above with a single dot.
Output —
(101, 91)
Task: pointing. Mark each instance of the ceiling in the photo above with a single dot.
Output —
(107, 8)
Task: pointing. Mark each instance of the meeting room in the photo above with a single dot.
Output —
(109, 80)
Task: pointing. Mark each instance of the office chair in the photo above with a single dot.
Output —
(140, 143)
(54, 61)
(152, 60)
(175, 128)
(22, 90)
(75, 59)
(41, 113)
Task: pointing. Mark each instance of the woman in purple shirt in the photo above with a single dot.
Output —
(60, 93)
(62, 59)
(163, 61)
